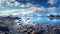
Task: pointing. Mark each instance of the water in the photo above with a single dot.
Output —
(48, 20)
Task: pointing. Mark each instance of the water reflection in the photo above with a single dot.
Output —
(48, 20)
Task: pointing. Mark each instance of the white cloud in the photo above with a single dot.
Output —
(41, 9)
(30, 10)
(38, 15)
(22, 5)
(28, 5)
(2, 1)
(24, 11)
(4, 14)
(51, 1)
(53, 9)
(8, 2)
(16, 3)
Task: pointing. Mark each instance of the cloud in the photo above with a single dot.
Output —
(22, 5)
(28, 11)
(41, 9)
(23, 11)
(39, 15)
(51, 2)
(1, 3)
(4, 14)
(52, 9)
(29, 4)
(31, 10)
(9, 3)
(14, 3)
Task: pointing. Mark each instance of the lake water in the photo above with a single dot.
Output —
(48, 20)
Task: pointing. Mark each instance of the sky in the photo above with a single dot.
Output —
(30, 9)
